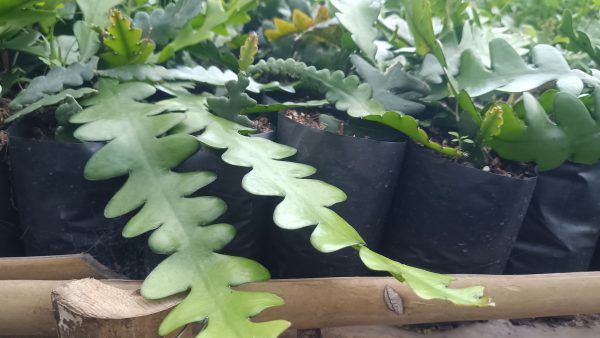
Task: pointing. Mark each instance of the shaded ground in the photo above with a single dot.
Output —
(563, 327)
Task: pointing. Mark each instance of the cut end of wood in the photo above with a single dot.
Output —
(94, 299)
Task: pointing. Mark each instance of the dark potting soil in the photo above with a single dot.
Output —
(307, 119)
(494, 163)
(263, 124)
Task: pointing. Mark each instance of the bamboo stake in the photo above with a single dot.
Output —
(91, 306)
(53, 268)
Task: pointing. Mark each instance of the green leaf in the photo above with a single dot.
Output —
(125, 42)
(578, 41)
(211, 75)
(64, 112)
(410, 127)
(96, 12)
(359, 17)
(305, 201)
(350, 95)
(425, 284)
(28, 42)
(477, 40)
(203, 26)
(510, 73)
(573, 134)
(491, 125)
(396, 89)
(16, 15)
(50, 100)
(162, 24)
(181, 226)
(248, 52)
(275, 107)
(53, 82)
(87, 39)
(467, 105)
(237, 100)
(420, 21)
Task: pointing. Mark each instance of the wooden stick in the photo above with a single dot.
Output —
(26, 308)
(27, 283)
(91, 306)
(54, 268)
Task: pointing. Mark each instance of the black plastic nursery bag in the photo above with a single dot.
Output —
(60, 211)
(562, 225)
(366, 170)
(10, 234)
(450, 218)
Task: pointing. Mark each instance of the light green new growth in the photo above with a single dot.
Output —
(248, 52)
(125, 42)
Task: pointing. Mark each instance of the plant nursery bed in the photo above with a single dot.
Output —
(309, 168)
(61, 301)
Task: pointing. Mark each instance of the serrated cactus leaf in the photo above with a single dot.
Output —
(425, 284)
(139, 146)
(56, 80)
(510, 73)
(162, 24)
(217, 14)
(50, 100)
(211, 75)
(299, 24)
(248, 52)
(570, 131)
(395, 88)
(126, 44)
(359, 17)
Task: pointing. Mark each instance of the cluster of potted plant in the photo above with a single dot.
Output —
(309, 136)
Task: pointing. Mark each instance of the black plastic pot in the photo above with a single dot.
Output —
(450, 218)
(60, 211)
(562, 225)
(10, 234)
(366, 170)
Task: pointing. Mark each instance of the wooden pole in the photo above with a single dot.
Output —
(54, 268)
(27, 283)
(92, 306)
(26, 308)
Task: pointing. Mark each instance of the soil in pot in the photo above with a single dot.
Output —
(452, 218)
(365, 169)
(562, 226)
